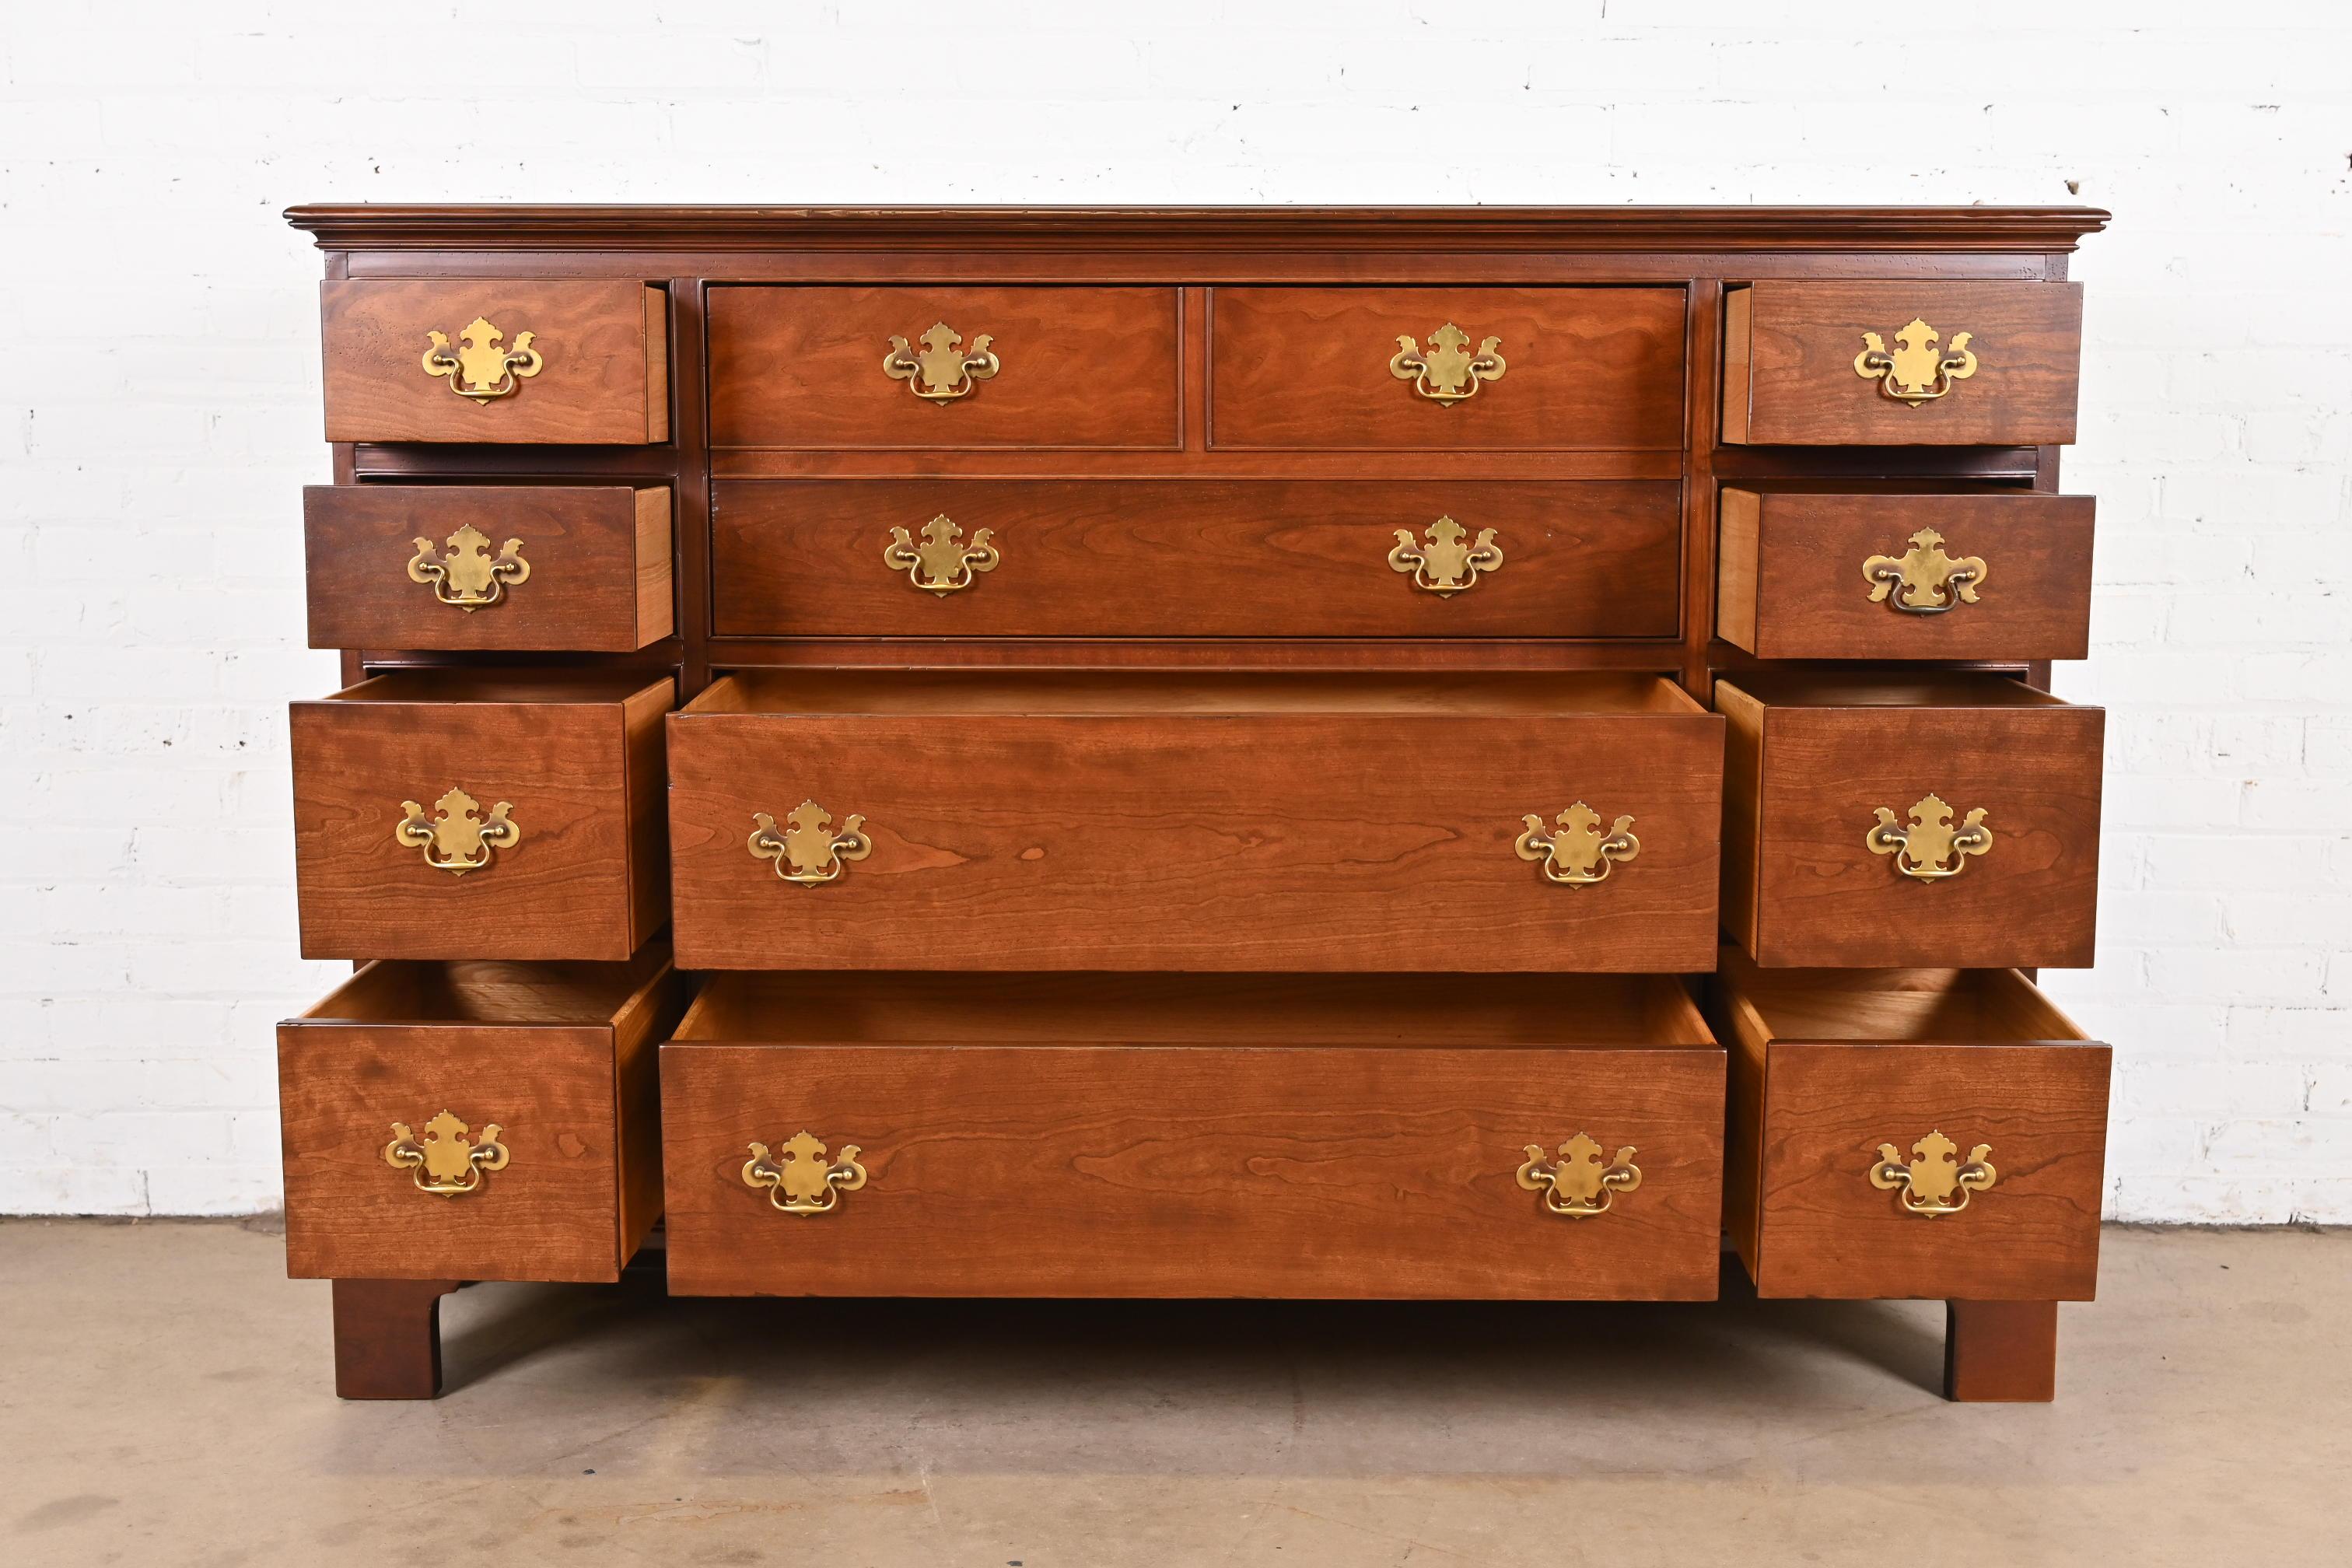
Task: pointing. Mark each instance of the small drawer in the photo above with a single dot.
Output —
(496, 360)
(970, 820)
(1196, 558)
(869, 368)
(1911, 1133)
(1882, 572)
(476, 567)
(1901, 364)
(1940, 818)
(1528, 1137)
(476, 1121)
(1446, 369)
(481, 814)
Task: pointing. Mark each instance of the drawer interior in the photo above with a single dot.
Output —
(1910, 689)
(1889, 1005)
(472, 684)
(492, 993)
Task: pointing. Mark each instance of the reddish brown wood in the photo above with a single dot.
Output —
(388, 1337)
(2001, 1352)
(1195, 557)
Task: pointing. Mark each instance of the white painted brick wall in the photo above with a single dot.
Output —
(162, 409)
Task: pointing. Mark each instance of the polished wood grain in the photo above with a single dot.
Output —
(599, 558)
(1826, 1064)
(1200, 824)
(2001, 1352)
(1196, 558)
(1790, 583)
(1797, 344)
(1591, 369)
(577, 755)
(1078, 367)
(561, 1056)
(1815, 755)
(605, 376)
(388, 1337)
(1255, 1135)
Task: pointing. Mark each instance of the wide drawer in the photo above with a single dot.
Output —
(860, 368)
(496, 360)
(1931, 1133)
(1938, 819)
(1355, 369)
(1901, 364)
(1882, 572)
(1194, 822)
(524, 567)
(1196, 558)
(1246, 1135)
(480, 814)
(476, 1121)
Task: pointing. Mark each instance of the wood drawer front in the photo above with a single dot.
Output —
(602, 347)
(1584, 369)
(579, 760)
(574, 1096)
(1790, 377)
(1198, 558)
(1173, 836)
(802, 368)
(1795, 575)
(1802, 887)
(391, 567)
(1109, 1167)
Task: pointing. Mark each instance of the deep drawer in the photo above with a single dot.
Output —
(1255, 1135)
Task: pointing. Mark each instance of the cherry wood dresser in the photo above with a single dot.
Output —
(1407, 753)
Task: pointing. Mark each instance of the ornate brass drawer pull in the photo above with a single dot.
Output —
(481, 368)
(468, 576)
(943, 369)
(455, 840)
(1929, 848)
(1443, 565)
(1927, 1184)
(1931, 581)
(809, 851)
(1446, 372)
(943, 562)
(1580, 854)
(802, 1181)
(1915, 372)
(445, 1162)
(1579, 1185)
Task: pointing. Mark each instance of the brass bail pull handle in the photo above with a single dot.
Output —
(809, 850)
(454, 840)
(482, 366)
(468, 575)
(1919, 368)
(942, 564)
(799, 1179)
(1577, 1185)
(1574, 852)
(448, 1161)
(1934, 1182)
(1446, 372)
(942, 370)
(1441, 563)
(1930, 581)
(1929, 848)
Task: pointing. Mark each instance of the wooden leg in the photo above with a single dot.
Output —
(388, 1337)
(2000, 1351)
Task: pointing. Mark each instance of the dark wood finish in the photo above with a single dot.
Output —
(599, 558)
(1790, 350)
(578, 755)
(1792, 583)
(1813, 755)
(1250, 1135)
(604, 341)
(559, 1056)
(1827, 1065)
(388, 1337)
(1196, 558)
(1078, 367)
(2001, 1352)
(1194, 824)
(1591, 369)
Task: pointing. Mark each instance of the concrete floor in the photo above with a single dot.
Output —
(166, 1394)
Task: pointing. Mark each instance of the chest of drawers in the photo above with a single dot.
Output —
(1407, 753)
